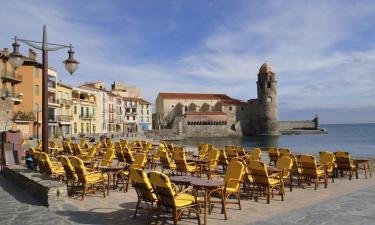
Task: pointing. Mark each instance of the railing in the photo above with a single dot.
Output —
(86, 116)
(64, 118)
(111, 110)
(12, 95)
(51, 84)
(111, 120)
(64, 101)
(52, 101)
(12, 77)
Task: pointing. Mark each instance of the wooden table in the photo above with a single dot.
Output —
(209, 187)
(182, 181)
(200, 163)
(364, 164)
(110, 171)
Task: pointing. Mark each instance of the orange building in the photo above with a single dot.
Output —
(24, 87)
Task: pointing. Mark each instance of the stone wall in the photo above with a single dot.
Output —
(208, 131)
(47, 191)
(289, 125)
(5, 114)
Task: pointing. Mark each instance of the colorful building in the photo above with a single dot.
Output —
(145, 114)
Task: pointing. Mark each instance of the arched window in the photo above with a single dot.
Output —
(269, 99)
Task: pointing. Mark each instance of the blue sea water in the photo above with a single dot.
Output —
(358, 139)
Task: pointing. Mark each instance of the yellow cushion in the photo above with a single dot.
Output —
(184, 199)
(273, 181)
(319, 172)
(94, 177)
(191, 168)
(230, 190)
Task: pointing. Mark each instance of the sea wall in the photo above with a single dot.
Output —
(207, 131)
(290, 125)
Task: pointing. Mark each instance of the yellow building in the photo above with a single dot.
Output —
(64, 114)
(84, 111)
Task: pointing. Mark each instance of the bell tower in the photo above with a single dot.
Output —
(267, 102)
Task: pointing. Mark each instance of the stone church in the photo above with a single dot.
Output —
(209, 115)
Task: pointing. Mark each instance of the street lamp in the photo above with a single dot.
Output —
(71, 65)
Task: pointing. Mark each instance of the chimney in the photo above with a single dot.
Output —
(32, 54)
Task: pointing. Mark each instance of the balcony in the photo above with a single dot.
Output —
(111, 120)
(86, 117)
(65, 102)
(15, 97)
(53, 102)
(112, 110)
(13, 78)
(65, 118)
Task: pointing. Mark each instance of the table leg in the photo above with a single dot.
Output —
(205, 205)
(109, 182)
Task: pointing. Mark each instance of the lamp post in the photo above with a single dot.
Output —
(71, 65)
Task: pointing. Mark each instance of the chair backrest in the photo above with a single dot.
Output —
(120, 154)
(163, 189)
(256, 154)
(231, 151)
(343, 160)
(273, 153)
(308, 165)
(180, 160)
(213, 158)
(142, 184)
(240, 150)
(79, 168)
(234, 174)
(164, 159)
(91, 153)
(284, 151)
(203, 151)
(285, 164)
(68, 168)
(223, 159)
(327, 158)
(259, 172)
(107, 158)
(177, 150)
(129, 159)
(140, 160)
(47, 163)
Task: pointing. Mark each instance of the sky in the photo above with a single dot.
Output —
(323, 52)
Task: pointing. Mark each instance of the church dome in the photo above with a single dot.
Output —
(266, 68)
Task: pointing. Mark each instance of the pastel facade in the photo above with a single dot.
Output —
(145, 115)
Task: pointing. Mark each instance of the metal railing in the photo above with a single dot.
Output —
(12, 77)
(64, 118)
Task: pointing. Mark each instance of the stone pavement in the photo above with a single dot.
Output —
(344, 202)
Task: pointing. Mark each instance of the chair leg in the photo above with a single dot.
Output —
(84, 191)
(268, 195)
(136, 209)
(175, 217)
(239, 200)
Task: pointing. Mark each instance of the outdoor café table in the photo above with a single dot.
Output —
(208, 186)
(52, 150)
(200, 163)
(364, 164)
(110, 171)
(182, 181)
(88, 163)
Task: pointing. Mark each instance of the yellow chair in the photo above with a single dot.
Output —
(107, 158)
(52, 169)
(285, 164)
(223, 159)
(283, 151)
(129, 159)
(89, 181)
(140, 161)
(212, 162)
(166, 163)
(90, 154)
(182, 166)
(231, 152)
(169, 199)
(273, 154)
(240, 151)
(70, 173)
(255, 154)
(263, 181)
(67, 147)
(144, 191)
(328, 159)
(202, 151)
(78, 151)
(311, 172)
(344, 163)
(232, 183)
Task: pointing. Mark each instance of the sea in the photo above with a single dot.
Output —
(357, 139)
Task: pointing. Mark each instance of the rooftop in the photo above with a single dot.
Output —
(193, 96)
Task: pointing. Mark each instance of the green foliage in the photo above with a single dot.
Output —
(19, 115)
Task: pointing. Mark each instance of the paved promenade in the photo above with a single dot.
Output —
(344, 202)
